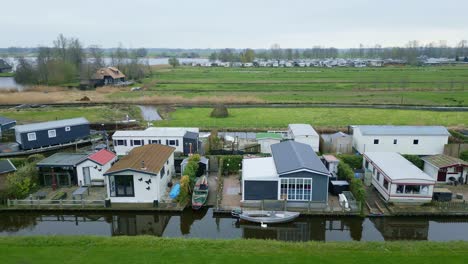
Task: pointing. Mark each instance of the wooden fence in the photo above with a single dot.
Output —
(452, 206)
(454, 150)
(34, 203)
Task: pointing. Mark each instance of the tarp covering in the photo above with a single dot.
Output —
(175, 191)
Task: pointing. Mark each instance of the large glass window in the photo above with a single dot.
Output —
(52, 133)
(31, 136)
(121, 186)
(413, 189)
(296, 189)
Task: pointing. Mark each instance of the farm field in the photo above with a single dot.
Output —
(145, 249)
(390, 85)
(92, 113)
(269, 118)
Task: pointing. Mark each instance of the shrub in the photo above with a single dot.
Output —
(21, 183)
(464, 155)
(355, 185)
(354, 161)
(214, 142)
(232, 163)
(416, 160)
(185, 190)
(18, 162)
(219, 111)
(35, 158)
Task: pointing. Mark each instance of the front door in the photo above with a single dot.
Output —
(86, 176)
(442, 175)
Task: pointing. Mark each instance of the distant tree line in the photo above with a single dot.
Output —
(68, 62)
(410, 52)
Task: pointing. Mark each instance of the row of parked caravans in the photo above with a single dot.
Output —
(328, 63)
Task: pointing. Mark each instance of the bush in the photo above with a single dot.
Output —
(464, 155)
(185, 190)
(35, 158)
(214, 142)
(416, 160)
(18, 162)
(354, 161)
(355, 185)
(24, 181)
(220, 111)
(232, 164)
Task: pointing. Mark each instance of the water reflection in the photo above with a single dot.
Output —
(203, 224)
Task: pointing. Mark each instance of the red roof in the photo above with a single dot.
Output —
(102, 157)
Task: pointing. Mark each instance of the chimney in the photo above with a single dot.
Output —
(143, 165)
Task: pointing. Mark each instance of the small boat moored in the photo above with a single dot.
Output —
(200, 193)
(265, 217)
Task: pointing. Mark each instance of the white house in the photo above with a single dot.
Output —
(91, 169)
(266, 140)
(141, 176)
(397, 179)
(304, 133)
(331, 163)
(183, 139)
(443, 168)
(415, 140)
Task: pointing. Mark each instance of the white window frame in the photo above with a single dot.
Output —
(32, 136)
(54, 133)
(296, 196)
(67, 129)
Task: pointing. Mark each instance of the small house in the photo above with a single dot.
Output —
(107, 76)
(294, 173)
(414, 140)
(6, 124)
(397, 179)
(336, 143)
(304, 133)
(6, 168)
(51, 133)
(184, 140)
(266, 140)
(443, 168)
(141, 176)
(90, 171)
(60, 169)
(331, 163)
(4, 66)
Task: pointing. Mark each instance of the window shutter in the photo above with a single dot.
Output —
(177, 142)
(167, 141)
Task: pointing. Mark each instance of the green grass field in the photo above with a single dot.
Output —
(263, 118)
(93, 113)
(389, 85)
(68, 250)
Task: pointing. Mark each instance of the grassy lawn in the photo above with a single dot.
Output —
(7, 74)
(389, 85)
(160, 250)
(93, 113)
(321, 117)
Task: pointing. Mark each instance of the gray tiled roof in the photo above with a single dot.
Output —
(290, 156)
(404, 130)
(191, 135)
(5, 121)
(6, 166)
(51, 124)
(62, 160)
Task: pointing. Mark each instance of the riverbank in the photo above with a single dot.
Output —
(87, 249)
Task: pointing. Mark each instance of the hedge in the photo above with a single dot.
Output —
(464, 155)
(232, 163)
(355, 185)
(354, 161)
(416, 160)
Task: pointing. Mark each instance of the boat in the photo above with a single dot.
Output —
(265, 217)
(200, 193)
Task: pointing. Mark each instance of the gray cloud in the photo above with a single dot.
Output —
(238, 24)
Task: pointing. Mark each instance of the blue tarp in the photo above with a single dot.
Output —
(175, 191)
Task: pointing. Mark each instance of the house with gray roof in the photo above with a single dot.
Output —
(294, 173)
(6, 124)
(60, 169)
(44, 134)
(444, 168)
(414, 140)
(304, 133)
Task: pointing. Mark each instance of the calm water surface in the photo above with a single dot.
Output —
(9, 83)
(204, 225)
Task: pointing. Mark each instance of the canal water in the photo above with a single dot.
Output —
(204, 224)
(8, 83)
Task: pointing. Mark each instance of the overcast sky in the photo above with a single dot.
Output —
(234, 23)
